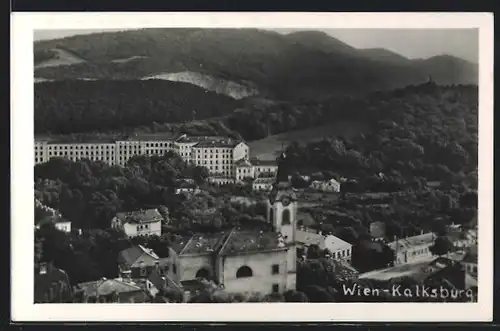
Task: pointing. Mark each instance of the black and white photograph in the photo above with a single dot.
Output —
(229, 164)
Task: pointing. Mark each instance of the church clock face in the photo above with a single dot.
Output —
(286, 201)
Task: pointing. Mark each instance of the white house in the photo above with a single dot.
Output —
(263, 184)
(412, 249)
(330, 185)
(139, 223)
(63, 225)
(340, 249)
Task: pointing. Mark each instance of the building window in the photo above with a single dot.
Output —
(275, 269)
(203, 273)
(285, 217)
(174, 269)
(276, 288)
(244, 272)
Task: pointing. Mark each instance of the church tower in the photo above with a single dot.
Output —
(282, 214)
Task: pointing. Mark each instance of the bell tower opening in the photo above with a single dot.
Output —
(285, 217)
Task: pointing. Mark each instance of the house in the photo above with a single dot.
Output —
(412, 249)
(187, 188)
(58, 221)
(51, 285)
(264, 168)
(263, 184)
(340, 249)
(139, 262)
(112, 290)
(461, 238)
(220, 180)
(63, 225)
(47, 215)
(254, 168)
(330, 185)
(139, 223)
(306, 237)
(437, 271)
(470, 261)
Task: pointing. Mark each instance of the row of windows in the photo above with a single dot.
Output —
(212, 156)
(420, 251)
(343, 253)
(55, 147)
(211, 150)
(211, 162)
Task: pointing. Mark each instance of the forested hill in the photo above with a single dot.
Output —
(299, 65)
(84, 106)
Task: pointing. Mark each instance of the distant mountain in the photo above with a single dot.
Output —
(321, 41)
(383, 54)
(305, 64)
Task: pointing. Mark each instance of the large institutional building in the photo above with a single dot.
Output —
(224, 157)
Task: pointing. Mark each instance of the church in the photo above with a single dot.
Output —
(245, 260)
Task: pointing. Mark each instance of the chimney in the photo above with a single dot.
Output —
(421, 231)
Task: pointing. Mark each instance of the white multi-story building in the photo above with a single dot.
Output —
(139, 223)
(111, 152)
(218, 154)
(245, 168)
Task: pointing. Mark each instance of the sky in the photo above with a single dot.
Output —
(412, 43)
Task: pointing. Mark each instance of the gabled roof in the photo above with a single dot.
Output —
(334, 243)
(140, 216)
(268, 163)
(243, 163)
(310, 238)
(422, 239)
(306, 218)
(156, 279)
(134, 254)
(105, 287)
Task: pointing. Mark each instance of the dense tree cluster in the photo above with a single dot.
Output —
(91, 255)
(91, 193)
(426, 132)
(83, 106)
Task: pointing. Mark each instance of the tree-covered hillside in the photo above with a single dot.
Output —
(83, 106)
(289, 67)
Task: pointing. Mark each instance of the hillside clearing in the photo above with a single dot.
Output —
(64, 58)
(269, 147)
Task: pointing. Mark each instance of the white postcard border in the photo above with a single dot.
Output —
(22, 162)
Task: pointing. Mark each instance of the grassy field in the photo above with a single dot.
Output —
(64, 58)
(269, 147)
